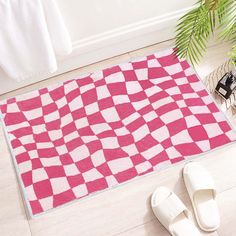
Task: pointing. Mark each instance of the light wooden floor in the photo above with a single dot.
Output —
(124, 210)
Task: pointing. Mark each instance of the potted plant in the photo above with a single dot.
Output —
(196, 27)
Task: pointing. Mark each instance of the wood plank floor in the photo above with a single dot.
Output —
(124, 210)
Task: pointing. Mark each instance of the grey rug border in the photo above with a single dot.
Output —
(163, 166)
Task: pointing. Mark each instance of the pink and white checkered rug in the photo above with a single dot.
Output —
(98, 131)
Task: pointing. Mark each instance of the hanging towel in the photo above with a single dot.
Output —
(58, 32)
(32, 33)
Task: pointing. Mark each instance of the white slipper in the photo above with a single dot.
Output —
(172, 213)
(202, 192)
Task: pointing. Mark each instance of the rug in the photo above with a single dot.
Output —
(98, 131)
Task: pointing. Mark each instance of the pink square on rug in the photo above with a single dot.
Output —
(98, 131)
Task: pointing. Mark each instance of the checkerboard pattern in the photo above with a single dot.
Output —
(100, 130)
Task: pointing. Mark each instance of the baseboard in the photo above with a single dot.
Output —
(156, 24)
(109, 44)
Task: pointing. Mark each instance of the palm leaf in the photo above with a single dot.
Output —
(194, 29)
(233, 55)
(222, 8)
(228, 20)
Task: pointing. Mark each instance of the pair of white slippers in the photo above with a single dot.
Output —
(173, 214)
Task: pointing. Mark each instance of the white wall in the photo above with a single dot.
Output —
(86, 18)
(104, 28)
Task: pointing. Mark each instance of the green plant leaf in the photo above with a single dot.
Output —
(228, 20)
(194, 29)
(233, 55)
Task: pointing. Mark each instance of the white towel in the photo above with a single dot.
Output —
(32, 33)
